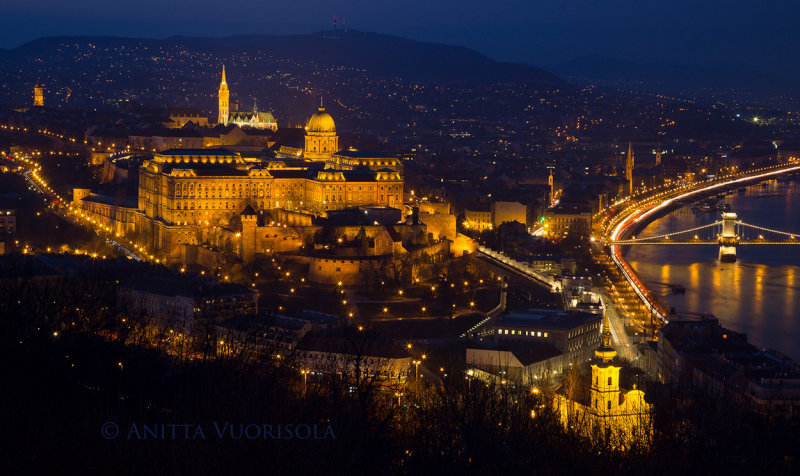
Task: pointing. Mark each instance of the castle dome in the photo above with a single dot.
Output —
(321, 122)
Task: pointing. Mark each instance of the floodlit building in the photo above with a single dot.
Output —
(255, 119)
(478, 219)
(503, 212)
(624, 417)
(562, 220)
(38, 96)
(198, 197)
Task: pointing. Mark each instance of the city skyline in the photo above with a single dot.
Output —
(348, 252)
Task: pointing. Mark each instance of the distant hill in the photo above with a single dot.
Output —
(679, 77)
(380, 55)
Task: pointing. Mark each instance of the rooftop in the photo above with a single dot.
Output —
(550, 318)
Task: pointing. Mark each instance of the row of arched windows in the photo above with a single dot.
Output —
(188, 190)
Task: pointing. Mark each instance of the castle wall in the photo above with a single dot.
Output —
(441, 226)
(434, 208)
(349, 271)
(279, 239)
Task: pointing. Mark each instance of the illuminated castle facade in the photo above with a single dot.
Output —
(255, 119)
(214, 199)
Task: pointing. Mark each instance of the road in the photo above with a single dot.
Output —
(622, 341)
(648, 208)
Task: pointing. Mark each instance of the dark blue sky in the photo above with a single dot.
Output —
(757, 32)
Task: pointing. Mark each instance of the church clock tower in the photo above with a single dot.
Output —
(224, 95)
(605, 390)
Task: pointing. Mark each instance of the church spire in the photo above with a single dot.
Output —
(606, 351)
(224, 100)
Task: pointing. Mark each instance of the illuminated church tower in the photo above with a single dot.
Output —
(629, 169)
(224, 96)
(623, 418)
(605, 376)
(321, 138)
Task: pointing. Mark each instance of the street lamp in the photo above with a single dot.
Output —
(305, 380)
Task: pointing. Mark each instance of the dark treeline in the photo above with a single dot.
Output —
(66, 372)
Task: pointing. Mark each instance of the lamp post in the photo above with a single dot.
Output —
(305, 381)
(416, 368)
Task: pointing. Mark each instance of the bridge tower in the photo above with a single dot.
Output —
(728, 238)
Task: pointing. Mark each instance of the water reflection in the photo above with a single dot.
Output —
(759, 294)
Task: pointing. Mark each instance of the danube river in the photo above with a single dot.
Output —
(760, 293)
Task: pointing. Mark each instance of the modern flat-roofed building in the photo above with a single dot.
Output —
(576, 334)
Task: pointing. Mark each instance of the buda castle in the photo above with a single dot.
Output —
(197, 197)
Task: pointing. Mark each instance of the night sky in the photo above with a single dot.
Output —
(761, 33)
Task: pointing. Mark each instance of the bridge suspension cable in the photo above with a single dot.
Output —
(769, 230)
(667, 235)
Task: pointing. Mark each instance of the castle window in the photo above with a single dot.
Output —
(609, 404)
(609, 380)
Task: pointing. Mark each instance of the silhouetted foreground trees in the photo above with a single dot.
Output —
(66, 374)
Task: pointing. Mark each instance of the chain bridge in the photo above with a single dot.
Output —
(728, 233)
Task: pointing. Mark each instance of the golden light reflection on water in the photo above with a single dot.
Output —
(759, 294)
(791, 291)
(694, 283)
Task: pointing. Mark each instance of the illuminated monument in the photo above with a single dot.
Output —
(38, 96)
(321, 139)
(210, 198)
(224, 97)
(255, 119)
(625, 418)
